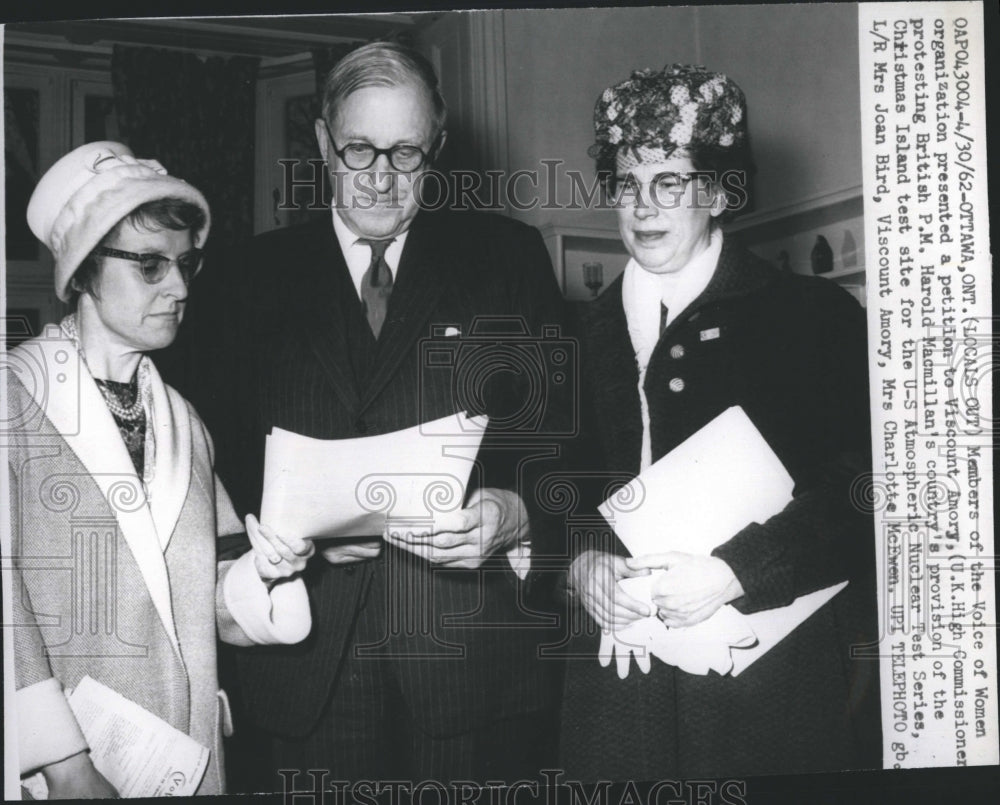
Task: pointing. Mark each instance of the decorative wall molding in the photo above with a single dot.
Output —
(488, 87)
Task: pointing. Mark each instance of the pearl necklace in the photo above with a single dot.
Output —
(130, 413)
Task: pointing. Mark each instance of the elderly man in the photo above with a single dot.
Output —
(424, 660)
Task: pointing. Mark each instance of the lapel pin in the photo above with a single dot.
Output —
(710, 334)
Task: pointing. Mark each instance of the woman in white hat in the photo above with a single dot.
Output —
(115, 508)
(697, 325)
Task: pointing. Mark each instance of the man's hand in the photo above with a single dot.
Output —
(351, 552)
(594, 576)
(76, 778)
(495, 520)
(692, 589)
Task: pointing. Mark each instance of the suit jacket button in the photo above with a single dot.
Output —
(361, 426)
(676, 384)
(676, 351)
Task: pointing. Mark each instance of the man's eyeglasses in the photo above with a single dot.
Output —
(361, 156)
(154, 267)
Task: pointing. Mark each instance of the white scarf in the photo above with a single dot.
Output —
(643, 292)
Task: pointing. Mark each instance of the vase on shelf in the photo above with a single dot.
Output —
(821, 256)
(593, 277)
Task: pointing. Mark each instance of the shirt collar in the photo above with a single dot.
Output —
(358, 256)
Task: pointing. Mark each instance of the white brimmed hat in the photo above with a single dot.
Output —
(86, 193)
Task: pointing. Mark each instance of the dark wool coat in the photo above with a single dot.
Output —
(791, 351)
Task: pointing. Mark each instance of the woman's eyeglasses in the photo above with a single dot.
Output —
(154, 267)
(665, 189)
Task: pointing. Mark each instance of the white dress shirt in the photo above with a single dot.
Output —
(358, 256)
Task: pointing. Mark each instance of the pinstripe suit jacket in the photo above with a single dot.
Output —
(466, 641)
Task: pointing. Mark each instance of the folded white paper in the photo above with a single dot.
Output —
(139, 753)
(695, 498)
(317, 488)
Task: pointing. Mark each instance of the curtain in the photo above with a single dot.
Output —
(196, 117)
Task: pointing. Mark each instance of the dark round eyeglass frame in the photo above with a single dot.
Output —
(391, 153)
(155, 267)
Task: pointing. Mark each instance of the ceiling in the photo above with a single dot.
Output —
(273, 37)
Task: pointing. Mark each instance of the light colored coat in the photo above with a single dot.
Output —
(117, 579)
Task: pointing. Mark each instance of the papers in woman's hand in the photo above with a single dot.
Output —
(315, 488)
(139, 753)
(695, 498)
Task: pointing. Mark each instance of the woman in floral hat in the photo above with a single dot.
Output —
(694, 326)
(115, 508)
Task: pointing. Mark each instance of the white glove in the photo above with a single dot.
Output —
(622, 651)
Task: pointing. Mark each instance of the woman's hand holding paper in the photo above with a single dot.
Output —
(277, 557)
(693, 588)
(594, 576)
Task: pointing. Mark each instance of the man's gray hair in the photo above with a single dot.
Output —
(382, 64)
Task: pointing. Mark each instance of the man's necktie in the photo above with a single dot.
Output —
(663, 317)
(376, 284)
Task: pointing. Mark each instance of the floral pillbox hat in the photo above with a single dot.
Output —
(681, 107)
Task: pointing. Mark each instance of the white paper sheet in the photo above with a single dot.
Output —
(318, 488)
(698, 496)
(140, 754)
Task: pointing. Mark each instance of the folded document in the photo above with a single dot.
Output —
(138, 752)
(695, 498)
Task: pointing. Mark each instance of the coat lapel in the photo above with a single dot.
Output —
(323, 326)
(420, 282)
(76, 409)
(611, 364)
(738, 273)
(171, 424)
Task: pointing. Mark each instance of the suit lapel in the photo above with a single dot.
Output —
(322, 325)
(420, 281)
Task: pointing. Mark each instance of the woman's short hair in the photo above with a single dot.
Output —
(174, 214)
(382, 64)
